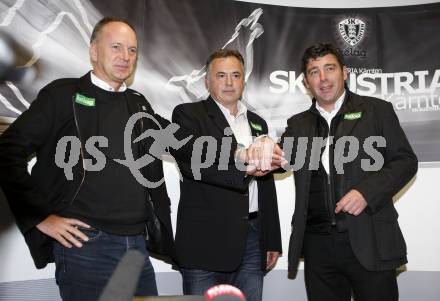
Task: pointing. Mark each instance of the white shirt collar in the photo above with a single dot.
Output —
(241, 109)
(328, 116)
(335, 110)
(105, 86)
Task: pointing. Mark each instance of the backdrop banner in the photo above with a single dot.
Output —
(391, 53)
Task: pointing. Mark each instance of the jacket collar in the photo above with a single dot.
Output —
(219, 119)
(255, 125)
(215, 114)
(350, 113)
(86, 117)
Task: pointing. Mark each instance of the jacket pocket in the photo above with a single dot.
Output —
(389, 238)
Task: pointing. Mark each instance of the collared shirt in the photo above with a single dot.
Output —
(105, 86)
(239, 125)
(328, 116)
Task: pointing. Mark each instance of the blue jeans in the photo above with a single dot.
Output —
(248, 277)
(82, 273)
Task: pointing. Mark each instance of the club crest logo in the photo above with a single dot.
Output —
(352, 30)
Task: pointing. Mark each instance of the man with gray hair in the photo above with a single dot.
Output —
(86, 224)
(227, 225)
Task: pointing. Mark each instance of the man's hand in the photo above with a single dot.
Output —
(262, 156)
(252, 171)
(353, 202)
(64, 230)
(278, 159)
(271, 259)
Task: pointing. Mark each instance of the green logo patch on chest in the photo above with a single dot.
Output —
(353, 116)
(84, 100)
(256, 126)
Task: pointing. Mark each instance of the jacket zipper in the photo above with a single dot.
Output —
(81, 154)
(330, 194)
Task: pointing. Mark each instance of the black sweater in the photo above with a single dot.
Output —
(111, 199)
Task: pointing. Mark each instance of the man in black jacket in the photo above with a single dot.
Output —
(83, 205)
(227, 224)
(345, 223)
(85, 220)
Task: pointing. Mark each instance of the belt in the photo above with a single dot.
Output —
(253, 215)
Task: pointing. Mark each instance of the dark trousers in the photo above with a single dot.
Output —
(248, 277)
(332, 272)
(82, 273)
